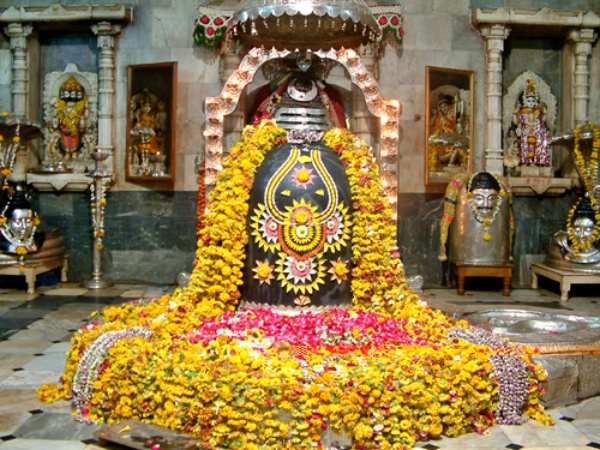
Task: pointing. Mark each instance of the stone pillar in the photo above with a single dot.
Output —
(18, 34)
(234, 122)
(581, 41)
(364, 124)
(494, 37)
(106, 33)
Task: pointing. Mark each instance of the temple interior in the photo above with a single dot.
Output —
(271, 224)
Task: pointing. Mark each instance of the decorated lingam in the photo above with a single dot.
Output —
(18, 226)
(18, 221)
(312, 338)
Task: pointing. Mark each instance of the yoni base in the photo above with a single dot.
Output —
(460, 271)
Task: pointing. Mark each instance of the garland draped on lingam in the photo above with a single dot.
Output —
(388, 371)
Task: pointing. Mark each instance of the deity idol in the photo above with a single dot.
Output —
(445, 139)
(578, 247)
(18, 225)
(148, 113)
(71, 118)
(481, 205)
(581, 242)
(529, 118)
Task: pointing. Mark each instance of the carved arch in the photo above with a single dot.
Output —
(388, 111)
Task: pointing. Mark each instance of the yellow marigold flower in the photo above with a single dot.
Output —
(364, 389)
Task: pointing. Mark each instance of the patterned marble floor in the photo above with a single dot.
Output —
(35, 331)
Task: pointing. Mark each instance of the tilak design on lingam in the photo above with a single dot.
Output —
(296, 229)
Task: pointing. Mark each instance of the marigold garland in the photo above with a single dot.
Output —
(387, 372)
(588, 170)
(579, 244)
(588, 167)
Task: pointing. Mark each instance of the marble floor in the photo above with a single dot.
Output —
(35, 331)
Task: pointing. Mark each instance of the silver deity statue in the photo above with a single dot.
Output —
(18, 226)
(578, 247)
(481, 207)
(581, 242)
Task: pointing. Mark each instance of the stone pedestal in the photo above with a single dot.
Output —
(49, 257)
(563, 277)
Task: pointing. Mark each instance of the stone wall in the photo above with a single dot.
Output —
(150, 234)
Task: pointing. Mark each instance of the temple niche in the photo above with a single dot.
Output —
(554, 47)
(529, 120)
(70, 104)
(450, 132)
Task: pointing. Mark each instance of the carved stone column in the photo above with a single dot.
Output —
(494, 36)
(364, 124)
(18, 34)
(581, 40)
(234, 122)
(106, 33)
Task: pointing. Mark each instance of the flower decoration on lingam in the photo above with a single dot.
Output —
(300, 221)
(383, 368)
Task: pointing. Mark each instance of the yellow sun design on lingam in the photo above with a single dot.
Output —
(263, 272)
(303, 176)
(338, 270)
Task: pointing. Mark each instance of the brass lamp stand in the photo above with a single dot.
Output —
(98, 201)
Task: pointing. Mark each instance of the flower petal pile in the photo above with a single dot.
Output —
(386, 372)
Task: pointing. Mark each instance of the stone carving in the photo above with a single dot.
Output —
(529, 118)
(70, 103)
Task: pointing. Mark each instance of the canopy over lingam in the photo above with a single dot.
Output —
(304, 24)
